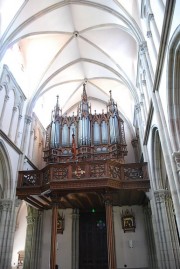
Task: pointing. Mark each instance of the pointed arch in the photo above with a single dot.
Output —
(6, 173)
(173, 89)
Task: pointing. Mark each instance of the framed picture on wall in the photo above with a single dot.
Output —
(128, 221)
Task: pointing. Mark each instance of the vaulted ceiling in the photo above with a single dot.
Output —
(62, 44)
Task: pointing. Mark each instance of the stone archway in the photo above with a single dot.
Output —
(173, 89)
(6, 208)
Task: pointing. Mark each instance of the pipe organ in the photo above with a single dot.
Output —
(97, 136)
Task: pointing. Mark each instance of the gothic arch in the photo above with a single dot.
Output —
(173, 89)
(6, 183)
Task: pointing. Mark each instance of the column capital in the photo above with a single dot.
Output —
(150, 16)
(137, 108)
(14, 108)
(162, 195)
(143, 48)
(5, 204)
(149, 34)
(6, 98)
(30, 220)
(134, 142)
(142, 96)
(143, 82)
(28, 119)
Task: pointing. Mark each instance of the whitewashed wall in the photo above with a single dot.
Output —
(64, 241)
(127, 256)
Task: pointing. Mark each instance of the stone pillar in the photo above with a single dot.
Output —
(173, 231)
(33, 239)
(146, 91)
(25, 138)
(165, 240)
(53, 235)
(153, 27)
(35, 148)
(5, 233)
(110, 234)
(30, 149)
(12, 121)
(140, 124)
(36, 250)
(169, 162)
(134, 143)
(150, 238)
(75, 239)
(3, 109)
(144, 106)
(17, 130)
(150, 37)
(146, 63)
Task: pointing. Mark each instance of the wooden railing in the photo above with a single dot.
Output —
(96, 170)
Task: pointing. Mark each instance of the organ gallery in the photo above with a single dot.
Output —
(86, 172)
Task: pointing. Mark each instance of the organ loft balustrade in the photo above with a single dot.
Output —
(98, 176)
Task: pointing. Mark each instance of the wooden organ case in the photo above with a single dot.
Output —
(97, 137)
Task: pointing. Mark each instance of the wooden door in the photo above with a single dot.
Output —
(93, 241)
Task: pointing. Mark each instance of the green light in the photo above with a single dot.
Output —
(93, 210)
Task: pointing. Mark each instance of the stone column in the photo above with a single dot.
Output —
(12, 121)
(165, 240)
(35, 148)
(134, 143)
(53, 235)
(36, 249)
(173, 231)
(144, 106)
(33, 239)
(153, 27)
(5, 232)
(17, 130)
(30, 149)
(150, 37)
(140, 122)
(150, 238)
(110, 234)
(25, 138)
(146, 63)
(167, 150)
(75, 239)
(3, 109)
(146, 91)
